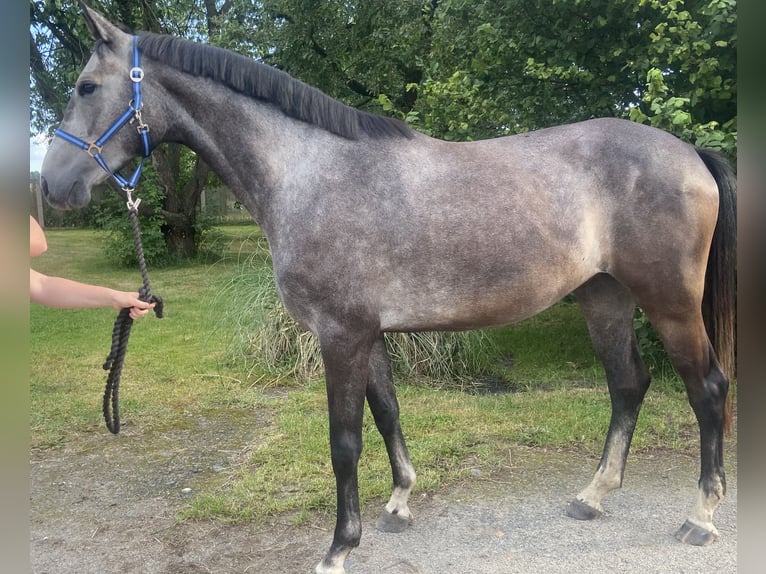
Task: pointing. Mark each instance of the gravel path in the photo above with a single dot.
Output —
(520, 526)
(111, 509)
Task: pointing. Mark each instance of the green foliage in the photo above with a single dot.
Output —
(499, 68)
(674, 114)
(691, 86)
(462, 70)
(211, 241)
(119, 245)
(649, 343)
(112, 217)
(352, 51)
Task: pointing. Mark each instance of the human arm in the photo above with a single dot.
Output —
(67, 294)
(37, 242)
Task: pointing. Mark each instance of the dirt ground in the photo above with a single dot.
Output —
(107, 504)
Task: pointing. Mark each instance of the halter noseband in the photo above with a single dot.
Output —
(133, 112)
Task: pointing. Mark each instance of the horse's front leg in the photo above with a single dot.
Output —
(381, 396)
(346, 358)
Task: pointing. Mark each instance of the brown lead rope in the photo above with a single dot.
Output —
(121, 331)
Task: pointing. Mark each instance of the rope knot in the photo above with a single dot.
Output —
(146, 295)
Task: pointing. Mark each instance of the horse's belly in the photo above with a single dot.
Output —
(449, 310)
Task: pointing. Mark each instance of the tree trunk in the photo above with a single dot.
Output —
(181, 240)
(181, 199)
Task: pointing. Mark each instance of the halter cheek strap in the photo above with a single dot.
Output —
(133, 112)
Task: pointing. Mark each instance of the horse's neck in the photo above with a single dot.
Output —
(244, 141)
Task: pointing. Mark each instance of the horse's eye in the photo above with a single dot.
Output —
(86, 88)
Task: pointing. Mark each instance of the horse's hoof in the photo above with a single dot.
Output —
(393, 523)
(695, 535)
(579, 510)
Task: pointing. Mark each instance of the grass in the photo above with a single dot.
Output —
(182, 365)
(169, 364)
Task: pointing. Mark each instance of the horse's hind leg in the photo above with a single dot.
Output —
(688, 347)
(608, 308)
(381, 396)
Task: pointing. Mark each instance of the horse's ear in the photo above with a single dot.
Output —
(100, 27)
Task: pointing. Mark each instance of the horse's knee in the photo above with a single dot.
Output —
(716, 383)
(345, 450)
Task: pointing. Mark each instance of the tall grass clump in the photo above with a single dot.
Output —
(262, 336)
(271, 343)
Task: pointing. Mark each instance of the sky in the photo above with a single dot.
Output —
(37, 147)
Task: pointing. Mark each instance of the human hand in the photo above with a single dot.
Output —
(138, 308)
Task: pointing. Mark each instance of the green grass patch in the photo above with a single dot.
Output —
(553, 390)
(449, 434)
(172, 364)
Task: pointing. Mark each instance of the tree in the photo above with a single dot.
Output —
(691, 80)
(507, 67)
(58, 50)
(459, 69)
(354, 51)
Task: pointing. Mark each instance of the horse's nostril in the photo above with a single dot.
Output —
(44, 187)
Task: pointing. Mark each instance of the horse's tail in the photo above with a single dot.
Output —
(720, 301)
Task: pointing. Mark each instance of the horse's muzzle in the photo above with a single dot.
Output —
(74, 198)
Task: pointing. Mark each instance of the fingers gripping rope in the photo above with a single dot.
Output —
(121, 332)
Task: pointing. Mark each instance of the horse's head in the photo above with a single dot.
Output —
(103, 94)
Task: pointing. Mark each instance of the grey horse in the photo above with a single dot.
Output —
(375, 228)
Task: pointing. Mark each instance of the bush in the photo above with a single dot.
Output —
(211, 241)
(111, 215)
(119, 246)
(650, 345)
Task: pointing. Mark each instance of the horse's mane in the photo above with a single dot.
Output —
(249, 77)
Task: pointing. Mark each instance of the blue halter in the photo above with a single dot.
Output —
(133, 112)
